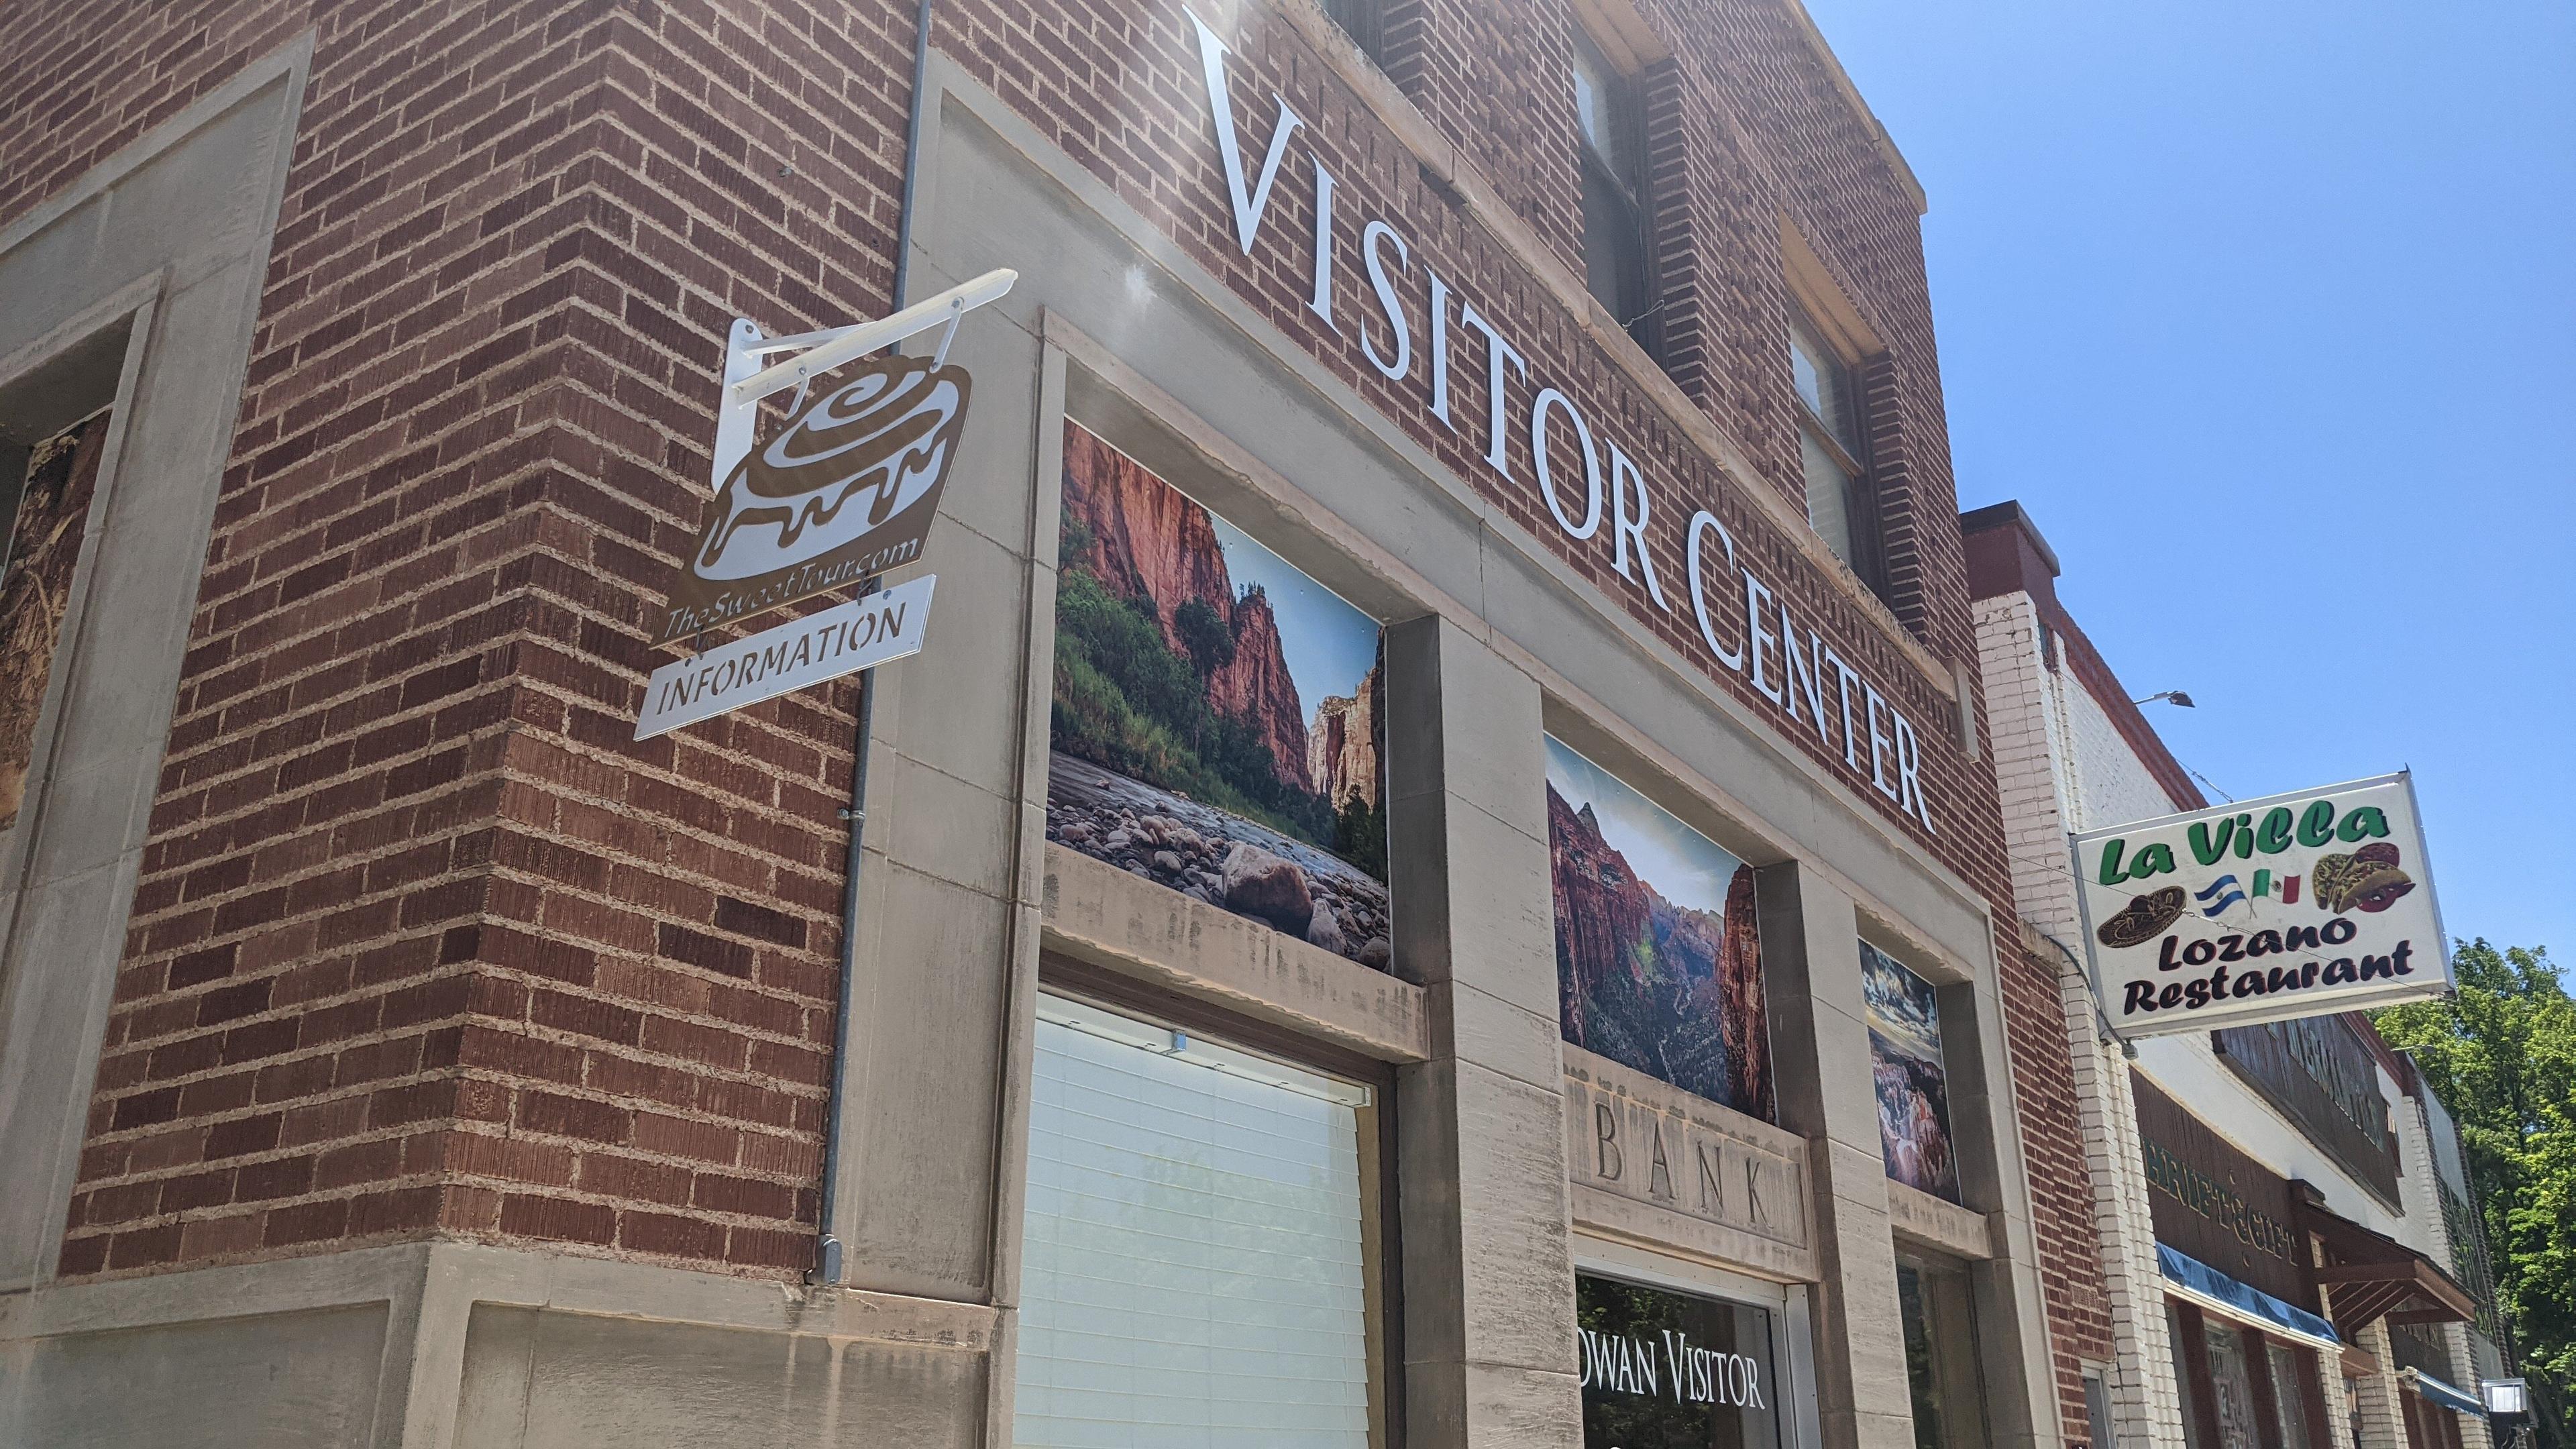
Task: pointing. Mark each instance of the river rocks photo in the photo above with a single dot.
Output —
(1184, 751)
(1221, 859)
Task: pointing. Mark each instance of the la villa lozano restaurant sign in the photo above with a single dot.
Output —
(2261, 910)
(845, 489)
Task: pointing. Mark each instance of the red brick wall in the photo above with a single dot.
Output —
(1118, 108)
(1473, 68)
(81, 78)
(423, 942)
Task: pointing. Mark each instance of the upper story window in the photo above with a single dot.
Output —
(1616, 263)
(1831, 450)
(1364, 21)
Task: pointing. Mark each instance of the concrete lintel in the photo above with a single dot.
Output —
(1944, 1226)
(1100, 914)
(444, 1278)
(1682, 1235)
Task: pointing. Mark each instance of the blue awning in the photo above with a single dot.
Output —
(2457, 1400)
(2188, 1277)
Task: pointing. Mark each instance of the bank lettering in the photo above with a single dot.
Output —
(1642, 1154)
(1593, 490)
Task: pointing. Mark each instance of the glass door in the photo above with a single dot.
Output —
(2232, 1386)
(1941, 1353)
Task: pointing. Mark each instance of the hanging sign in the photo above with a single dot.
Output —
(843, 490)
(847, 487)
(2261, 910)
(843, 639)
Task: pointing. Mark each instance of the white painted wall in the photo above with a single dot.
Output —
(2067, 768)
(2063, 766)
(2185, 1066)
(2110, 782)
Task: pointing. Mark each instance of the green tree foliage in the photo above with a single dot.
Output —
(1124, 698)
(1205, 635)
(1359, 835)
(2502, 1055)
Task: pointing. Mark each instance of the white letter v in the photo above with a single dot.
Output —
(1249, 203)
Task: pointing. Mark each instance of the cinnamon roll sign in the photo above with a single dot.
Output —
(844, 491)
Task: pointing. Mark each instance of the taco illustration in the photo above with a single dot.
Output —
(2367, 880)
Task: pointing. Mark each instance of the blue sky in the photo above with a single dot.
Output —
(2267, 314)
(1326, 642)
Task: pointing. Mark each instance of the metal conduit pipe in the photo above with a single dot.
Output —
(827, 1244)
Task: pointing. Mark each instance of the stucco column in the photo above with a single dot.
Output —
(2420, 1186)
(2474, 1433)
(1820, 1051)
(1488, 1267)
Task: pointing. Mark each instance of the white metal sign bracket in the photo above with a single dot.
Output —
(746, 381)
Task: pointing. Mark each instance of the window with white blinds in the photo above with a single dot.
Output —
(1195, 1265)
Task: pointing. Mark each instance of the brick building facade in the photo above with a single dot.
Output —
(354, 938)
(2074, 753)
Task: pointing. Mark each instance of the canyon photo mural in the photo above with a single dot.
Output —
(37, 558)
(1184, 749)
(1912, 1078)
(1658, 955)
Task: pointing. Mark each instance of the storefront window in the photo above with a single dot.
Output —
(1199, 1258)
(1664, 1370)
(1912, 1076)
(2231, 1387)
(2289, 1394)
(1658, 955)
(1940, 1354)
